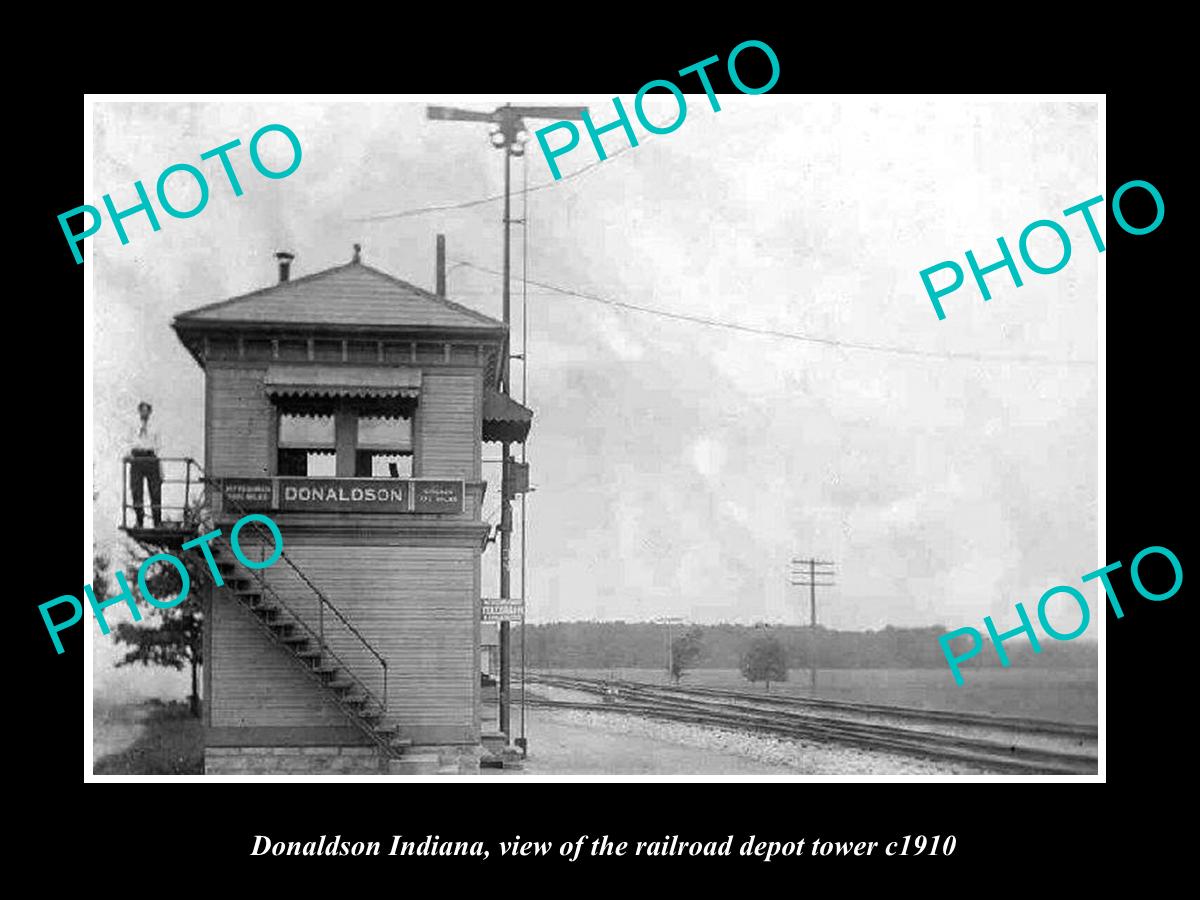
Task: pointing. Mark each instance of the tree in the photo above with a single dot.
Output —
(685, 651)
(100, 586)
(168, 637)
(765, 661)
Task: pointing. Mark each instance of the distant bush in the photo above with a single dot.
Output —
(764, 661)
(686, 651)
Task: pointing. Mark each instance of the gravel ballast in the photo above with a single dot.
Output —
(801, 756)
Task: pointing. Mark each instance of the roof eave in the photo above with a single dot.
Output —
(493, 332)
(443, 302)
(198, 357)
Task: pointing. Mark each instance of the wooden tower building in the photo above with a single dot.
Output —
(350, 407)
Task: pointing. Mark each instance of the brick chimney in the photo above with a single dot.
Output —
(285, 264)
(441, 265)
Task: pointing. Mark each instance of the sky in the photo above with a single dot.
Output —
(678, 467)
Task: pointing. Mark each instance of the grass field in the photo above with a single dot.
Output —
(1065, 695)
(150, 738)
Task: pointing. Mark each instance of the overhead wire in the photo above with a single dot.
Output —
(791, 335)
(701, 320)
(380, 217)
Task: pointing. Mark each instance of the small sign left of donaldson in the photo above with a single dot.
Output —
(144, 205)
(126, 596)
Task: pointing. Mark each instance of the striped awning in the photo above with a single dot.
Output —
(504, 419)
(348, 381)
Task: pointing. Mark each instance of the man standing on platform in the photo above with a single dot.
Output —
(143, 448)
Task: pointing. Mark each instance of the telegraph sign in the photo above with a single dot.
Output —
(248, 493)
(434, 496)
(509, 610)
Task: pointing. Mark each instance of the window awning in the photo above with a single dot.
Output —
(357, 381)
(384, 391)
(504, 419)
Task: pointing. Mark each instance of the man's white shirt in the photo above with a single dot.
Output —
(145, 438)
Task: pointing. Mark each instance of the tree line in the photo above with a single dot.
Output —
(173, 638)
(643, 645)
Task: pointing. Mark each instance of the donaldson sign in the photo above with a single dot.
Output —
(344, 494)
(389, 495)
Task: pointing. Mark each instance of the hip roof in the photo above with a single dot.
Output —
(353, 294)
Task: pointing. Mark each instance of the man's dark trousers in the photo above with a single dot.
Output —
(145, 466)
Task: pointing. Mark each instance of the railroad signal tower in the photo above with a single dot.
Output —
(349, 407)
(509, 122)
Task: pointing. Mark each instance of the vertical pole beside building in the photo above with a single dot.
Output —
(509, 123)
(505, 500)
(524, 402)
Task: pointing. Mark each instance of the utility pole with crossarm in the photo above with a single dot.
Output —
(809, 573)
(509, 122)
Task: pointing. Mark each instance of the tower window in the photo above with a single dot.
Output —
(307, 446)
(384, 448)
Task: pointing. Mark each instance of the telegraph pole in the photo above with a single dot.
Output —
(669, 621)
(806, 573)
(507, 136)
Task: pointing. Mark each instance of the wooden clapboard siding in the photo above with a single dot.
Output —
(448, 422)
(255, 682)
(240, 417)
(409, 583)
(415, 605)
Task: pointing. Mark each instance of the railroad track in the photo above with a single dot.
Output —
(1024, 724)
(793, 719)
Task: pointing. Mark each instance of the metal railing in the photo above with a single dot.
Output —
(192, 512)
(328, 652)
(261, 532)
(187, 508)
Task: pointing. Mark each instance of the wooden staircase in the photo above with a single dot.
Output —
(304, 640)
(307, 646)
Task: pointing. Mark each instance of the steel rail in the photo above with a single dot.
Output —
(1014, 760)
(987, 720)
(659, 703)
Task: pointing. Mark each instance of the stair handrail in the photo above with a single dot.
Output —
(324, 601)
(326, 649)
(337, 612)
